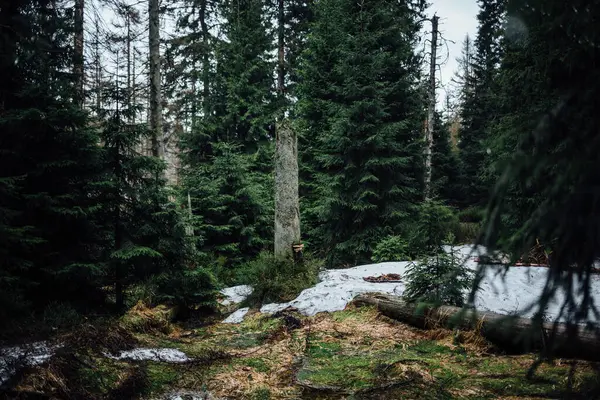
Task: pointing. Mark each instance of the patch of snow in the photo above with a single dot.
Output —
(520, 287)
(187, 395)
(11, 358)
(338, 287)
(235, 294)
(237, 316)
(142, 354)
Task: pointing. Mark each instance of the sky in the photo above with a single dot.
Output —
(457, 18)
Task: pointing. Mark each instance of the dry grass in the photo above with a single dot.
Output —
(143, 319)
(356, 350)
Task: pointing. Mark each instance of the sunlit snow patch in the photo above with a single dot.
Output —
(143, 354)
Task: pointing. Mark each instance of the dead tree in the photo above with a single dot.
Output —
(429, 126)
(287, 202)
(508, 332)
(155, 83)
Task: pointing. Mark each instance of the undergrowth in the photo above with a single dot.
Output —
(278, 280)
(352, 354)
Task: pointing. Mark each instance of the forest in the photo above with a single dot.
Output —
(156, 155)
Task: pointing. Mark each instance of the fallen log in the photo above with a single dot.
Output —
(511, 333)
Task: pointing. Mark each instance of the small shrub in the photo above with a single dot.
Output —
(186, 290)
(472, 215)
(277, 280)
(392, 248)
(467, 232)
(143, 319)
(61, 315)
(438, 279)
(435, 223)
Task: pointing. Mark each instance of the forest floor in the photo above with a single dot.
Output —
(352, 354)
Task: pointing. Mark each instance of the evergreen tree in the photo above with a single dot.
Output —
(228, 157)
(247, 73)
(362, 110)
(479, 106)
(548, 188)
(445, 169)
(235, 220)
(49, 161)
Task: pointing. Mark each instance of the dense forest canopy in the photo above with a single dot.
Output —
(137, 153)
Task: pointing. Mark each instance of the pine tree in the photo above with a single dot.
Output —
(362, 110)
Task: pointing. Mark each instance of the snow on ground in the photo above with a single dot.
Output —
(141, 354)
(11, 358)
(186, 395)
(237, 316)
(520, 288)
(235, 294)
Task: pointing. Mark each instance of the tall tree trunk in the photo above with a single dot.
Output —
(281, 54)
(98, 84)
(205, 60)
(287, 208)
(287, 202)
(130, 107)
(78, 52)
(429, 127)
(155, 84)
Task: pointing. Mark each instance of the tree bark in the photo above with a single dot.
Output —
(281, 50)
(430, 108)
(508, 332)
(155, 85)
(78, 52)
(205, 60)
(287, 209)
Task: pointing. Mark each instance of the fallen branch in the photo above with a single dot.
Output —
(508, 332)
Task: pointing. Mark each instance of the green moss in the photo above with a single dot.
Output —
(261, 393)
(103, 377)
(363, 314)
(258, 364)
(161, 376)
(428, 347)
(351, 372)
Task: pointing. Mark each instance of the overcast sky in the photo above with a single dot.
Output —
(457, 18)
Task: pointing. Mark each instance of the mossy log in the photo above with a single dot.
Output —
(510, 333)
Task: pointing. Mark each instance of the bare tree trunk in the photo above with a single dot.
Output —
(205, 60)
(281, 52)
(78, 52)
(429, 127)
(287, 208)
(130, 106)
(155, 84)
(510, 333)
(98, 68)
(287, 202)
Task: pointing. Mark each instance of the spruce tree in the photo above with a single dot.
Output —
(547, 190)
(363, 112)
(479, 105)
(445, 164)
(228, 158)
(49, 161)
